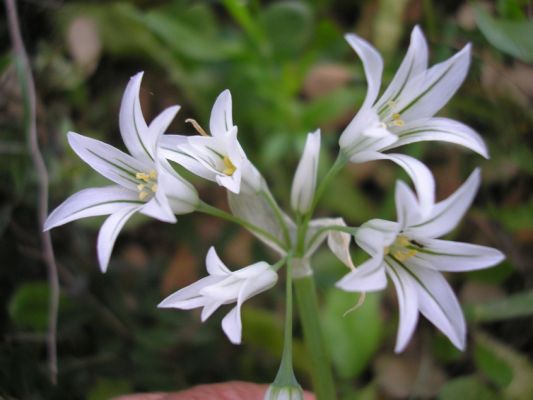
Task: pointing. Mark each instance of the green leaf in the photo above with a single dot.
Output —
(467, 387)
(288, 27)
(518, 305)
(354, 338)
(511, 37)
(493, 366)
(28, 307)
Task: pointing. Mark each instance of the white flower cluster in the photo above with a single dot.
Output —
(408, 251)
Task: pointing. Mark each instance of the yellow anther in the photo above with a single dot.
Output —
(142, 176)
(153, 174)
(142, 195)
(396, 116)
(230, 168)
(399, 122)
(400, 249)
(154, 187)
(140, 187)
(196, 126)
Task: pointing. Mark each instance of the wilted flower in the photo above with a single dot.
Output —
(223, 286)
(145, 183)
(409, 253)
(404, 113)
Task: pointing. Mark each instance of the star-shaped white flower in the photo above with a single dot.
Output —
(404, 113)
(223, 286)
(409, 252)
(144, 182)
(304, 182)
(219, 157)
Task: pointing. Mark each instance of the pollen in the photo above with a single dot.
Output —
(230, 168)
(402, 249)
(147, 184)
(397, 120)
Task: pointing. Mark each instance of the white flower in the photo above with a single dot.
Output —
(288, 392)
(144, 182)
(223, 286)
(218, 158)
(304, 182)
(404, 113)
(409, 253)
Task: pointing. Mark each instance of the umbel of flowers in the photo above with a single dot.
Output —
(408, 252)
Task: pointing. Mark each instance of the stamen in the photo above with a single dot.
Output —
(230, 168)
(397, 120)
(402, 249)
(140, 187)
(142, 195)
(359, 303)
(154, 187)
(196, 126)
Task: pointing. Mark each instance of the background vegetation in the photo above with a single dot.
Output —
(289, 71)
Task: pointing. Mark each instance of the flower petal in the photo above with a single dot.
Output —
(432, 90)
(373, 236)
(109, 232)
(221, 120)
(368, 277)
(91, 202)
(304, 182)
(406, 206)
(339, 244)
(232, 325)
(133, 127)
(107, 160)
(159, 208)
(214, 264)
(181, 195)
(180, 299)
(372, 64)
(417, 171)
(407, 300)
(159, 125)
(414, 63)
(446, 214)
(438, 303)
(440, 129)
(445, 255)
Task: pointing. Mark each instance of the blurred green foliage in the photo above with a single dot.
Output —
(290, 72)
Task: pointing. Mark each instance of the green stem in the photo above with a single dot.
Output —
(321, 373)
(285, 375)
(216, 212)
(339, 163)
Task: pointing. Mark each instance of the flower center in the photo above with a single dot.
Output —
(401, 249)
(148, 184)
(230, 168)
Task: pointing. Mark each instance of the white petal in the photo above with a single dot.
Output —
(304, 182)
(313, 227)
(159, 208)
(440, 129)
(339, 244)
(232, 325)
(406, 206)
(133, 127)
(445, 255)
(109, 231)
(435, 87)
(417, 171)
(90, 203)
(178, 299)
(254, 209)
(438, 303)
(230, 182)
(209, 308)
(365, 117)
(408, 303)
(181, 195)
(414, 63)
(159, 125)
(368, 277)
(221, 119)
(446, 214)
(214, 264)
(372, 64)
(107, 160)
(373, 236)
